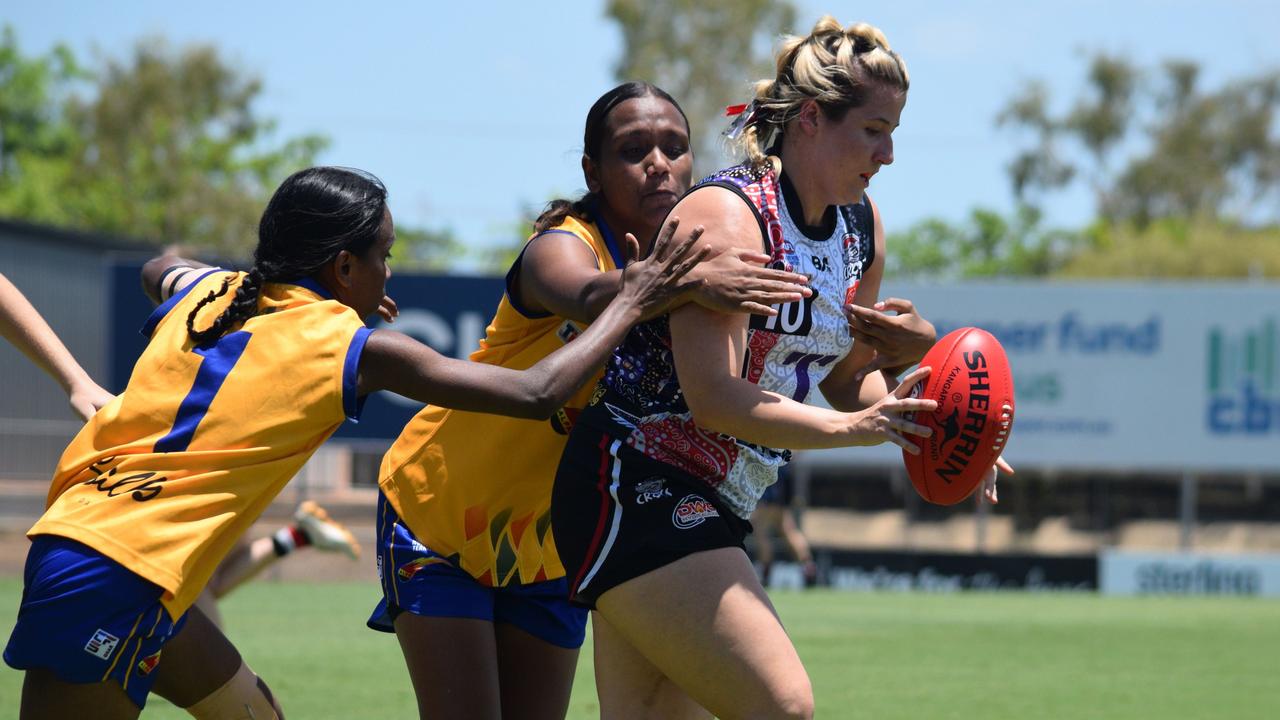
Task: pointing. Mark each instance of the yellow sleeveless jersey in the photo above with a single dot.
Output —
(168, 476)
(476, 488)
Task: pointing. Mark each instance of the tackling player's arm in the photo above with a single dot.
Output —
(709, 348)
(167, 274)
(560, 274)
(393, 361)
(23, 326)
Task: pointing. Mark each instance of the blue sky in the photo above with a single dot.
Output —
(471, 111)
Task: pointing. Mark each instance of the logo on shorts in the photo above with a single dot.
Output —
(692, 511)
(102, 644)
(148, 663)
(413, 567)
(650, 490)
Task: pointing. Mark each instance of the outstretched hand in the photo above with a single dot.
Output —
(738, 281)
(989, 480)
(87, 399)
(886, 421)
(654, 283)
(898, 340)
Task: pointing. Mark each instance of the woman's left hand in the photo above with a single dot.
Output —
(87, 398)
(898, 340)
(989, 480)
(387, 309)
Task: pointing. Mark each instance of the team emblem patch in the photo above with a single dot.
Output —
(413, 567)
(102, 644)
(691, 511)
(651, 489)
(148, 663)
(568, 331)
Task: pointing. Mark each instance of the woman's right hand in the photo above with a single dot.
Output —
(653, 284)
(886, 420)
(87, 397)
(738, 280)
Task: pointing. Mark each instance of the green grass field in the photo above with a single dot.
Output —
(869, 655)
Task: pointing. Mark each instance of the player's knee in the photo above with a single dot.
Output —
(244, 696)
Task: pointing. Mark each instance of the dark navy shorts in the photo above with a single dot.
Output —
(88, 619)
(618, 514)
(418, 580)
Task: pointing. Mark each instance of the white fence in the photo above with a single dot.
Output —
(1123, 376)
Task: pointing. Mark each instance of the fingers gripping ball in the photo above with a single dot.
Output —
(972, 384)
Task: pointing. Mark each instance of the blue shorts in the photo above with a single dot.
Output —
(420, 581)
(88, 619)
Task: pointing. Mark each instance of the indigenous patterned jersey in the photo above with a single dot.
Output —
(476, 488)
(788, 354)
(167, 477)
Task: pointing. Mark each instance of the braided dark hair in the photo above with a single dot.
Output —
(314, 215)
(244, 305)
(593, 142)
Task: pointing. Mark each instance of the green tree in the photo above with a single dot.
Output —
(1172, 248)
(987, 244)
(171, 148)
(35, 138)
(425, 250)
(706, 54)
(1154, 144)
(165, 144)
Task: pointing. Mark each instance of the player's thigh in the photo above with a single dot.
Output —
(208, 604)
(536, 677)
(196, 662)
(630, 687)
(453, 663)
(705, 622)
(46, 697)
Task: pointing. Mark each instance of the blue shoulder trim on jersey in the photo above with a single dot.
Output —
(610, 242)
(515, 269)
(312, 285)
(352, 402)
(163, 308)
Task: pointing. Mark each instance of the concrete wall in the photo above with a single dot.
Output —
(63, 275)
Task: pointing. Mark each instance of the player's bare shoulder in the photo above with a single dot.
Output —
(727, 219)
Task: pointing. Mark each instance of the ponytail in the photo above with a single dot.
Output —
(833, 65)
(557, 210)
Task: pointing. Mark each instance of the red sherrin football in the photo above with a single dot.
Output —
(972, 384)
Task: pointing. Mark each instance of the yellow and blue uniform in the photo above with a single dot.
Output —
(163, 481)
(468, 495)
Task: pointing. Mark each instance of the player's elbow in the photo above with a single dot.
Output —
(150, 276)
(540, 400)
